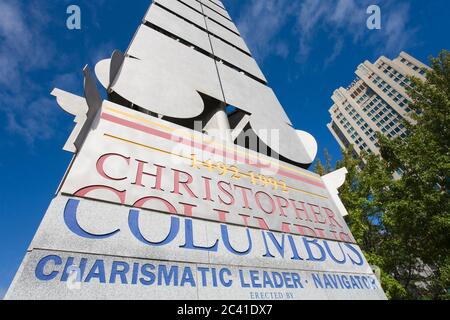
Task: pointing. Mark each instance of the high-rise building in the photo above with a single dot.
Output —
(376, 101)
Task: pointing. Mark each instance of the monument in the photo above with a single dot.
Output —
(189, 182)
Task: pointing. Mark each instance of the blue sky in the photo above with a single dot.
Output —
(306, 48)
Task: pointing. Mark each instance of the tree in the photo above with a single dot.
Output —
(403, 225)
(319, 168)
(361, 196)
(417, 206)
(322, 169)
(328, 167)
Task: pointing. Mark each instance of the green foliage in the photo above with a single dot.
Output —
(319, 168)
(417, 206)
(394, 289)
(403, 225)
(328, 167)
(322, 169)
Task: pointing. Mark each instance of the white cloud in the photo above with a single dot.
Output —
(282, 49)
(25, 49)
(396, 29)
(310, 14)
(337, 49)
(38, 124)
(102, 51)
(262, 23)
(68, 81)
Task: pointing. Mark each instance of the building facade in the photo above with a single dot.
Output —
(376, 101)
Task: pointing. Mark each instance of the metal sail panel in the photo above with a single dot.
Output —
(187, 64)
(184, 11)
(215, 2)
(220, 19)
(237, 58)
(249, 95)
(179, 27)
(227, 35)
(185, 23)
(220, 10)
(194, 4)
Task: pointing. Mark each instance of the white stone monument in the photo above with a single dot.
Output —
(189, 181)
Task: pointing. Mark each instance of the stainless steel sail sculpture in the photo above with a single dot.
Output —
(207, 57)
